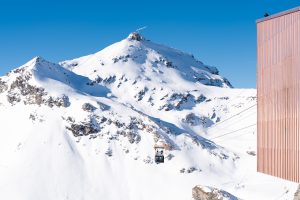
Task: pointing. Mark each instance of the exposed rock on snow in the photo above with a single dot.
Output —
(3, 86)
(135, 36)
(210, 193)
(251, 153)
(20, 87)
(201, 98)
(189, 170)
(297, 194)
(58, 101)
(195, 120)
(109, 152)
(84, 128)
(103, 106)
(88, 107)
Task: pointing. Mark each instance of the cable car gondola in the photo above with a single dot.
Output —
(159, 153)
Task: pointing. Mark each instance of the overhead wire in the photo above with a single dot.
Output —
(217, 124)
(234, 121)
(233, 131)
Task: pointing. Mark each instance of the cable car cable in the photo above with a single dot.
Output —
(233, 131)
(232, 116)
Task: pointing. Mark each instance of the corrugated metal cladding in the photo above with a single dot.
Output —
(278, 95)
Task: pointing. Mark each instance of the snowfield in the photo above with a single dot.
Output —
(85, 129)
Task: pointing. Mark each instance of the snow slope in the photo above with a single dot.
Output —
(86, 128)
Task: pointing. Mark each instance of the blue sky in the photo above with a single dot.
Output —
(221, 33)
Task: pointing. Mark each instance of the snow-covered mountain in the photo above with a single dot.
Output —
(86, 128)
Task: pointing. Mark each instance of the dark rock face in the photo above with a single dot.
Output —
(109, 152)
(121, 58)
(133, 137)
(189, 170)
(179, 101)
(3, 86)
(133, 128)
(94, 125)
(191, 119)
(141, 94)
(58, 101)
(213, 70)
(103, 106)
(201, 99)
(227, 82)
(88, 107)
(109, 80)
(21, 90)
(13, 98)
(19, 70)
(251, 153)
(22, 84)
(84, 128)
(204, 79)
(195, 120)
(21, 87)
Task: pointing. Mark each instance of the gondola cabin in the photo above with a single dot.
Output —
(159, 153)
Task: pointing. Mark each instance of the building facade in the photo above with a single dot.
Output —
(278, 95)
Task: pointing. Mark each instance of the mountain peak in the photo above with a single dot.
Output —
(38, 58)
(135, 36)
(35, 60)
(136, 57)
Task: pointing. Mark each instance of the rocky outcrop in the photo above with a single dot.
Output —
(135, 36)
(103, 106)
(88, 107)
(141, 94)
(297, 194)
(194, 120)
(84, 128)
(210, 193)
(58, 101)
(178, 101)
(21, 88)
(3, 86)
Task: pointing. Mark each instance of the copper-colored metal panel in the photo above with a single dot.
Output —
(278, 95)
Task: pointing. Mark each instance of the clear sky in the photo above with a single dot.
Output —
(221, 33)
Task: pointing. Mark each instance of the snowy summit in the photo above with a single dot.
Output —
(136, 120)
